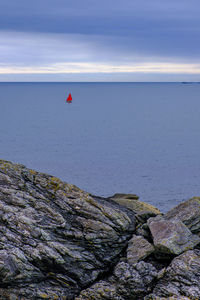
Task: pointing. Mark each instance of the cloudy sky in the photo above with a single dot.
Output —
(107, 40)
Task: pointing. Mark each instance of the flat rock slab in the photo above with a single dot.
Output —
(142, 210)
(55, 238)
(124, 196)
(138, 249)
(171, 236)
(189, 213)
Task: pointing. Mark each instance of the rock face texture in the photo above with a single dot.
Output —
(59, 242)
(171, 236)
(182, 277)
(54, 238)
(128, 282)
(189, 213)
(142, 210)
(138, 249)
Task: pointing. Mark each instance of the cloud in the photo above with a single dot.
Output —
(19, 48)
(105, 36)
(53, 54)
(68, 68)
(22, 48)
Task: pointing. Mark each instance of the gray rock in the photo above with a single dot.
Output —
(153, 297)
(132, 203)
(143, 230)
(55, 239)
(134, 281)
(171, 236)
(182, 277)
(189, 213)
(102, 290)
(143, 211)
(138, 249)
(57, 242)
(124, 196)
(127, 283)
(39, 291)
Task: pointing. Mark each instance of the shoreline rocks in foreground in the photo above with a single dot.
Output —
(59, 242)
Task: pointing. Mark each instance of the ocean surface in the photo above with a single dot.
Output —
(141, 138)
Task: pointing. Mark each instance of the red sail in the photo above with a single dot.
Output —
(69, 99)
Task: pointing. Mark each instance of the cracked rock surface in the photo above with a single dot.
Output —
(129, 282)
(182, 277)
(59, 242)
(171, 236)
(55, 239)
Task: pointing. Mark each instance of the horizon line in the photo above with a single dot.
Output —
(183, 82)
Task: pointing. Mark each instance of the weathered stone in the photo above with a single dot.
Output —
(138, 249)
(171, 236)
(189, 213)
(153, 297)
(144, 215)
(182, 277)
(143, 230)
(53, 234)
(127, 283)
(143, 210)
(124, 196)
(49, 290)
(57, 242)
(102, 290)
(134, 281)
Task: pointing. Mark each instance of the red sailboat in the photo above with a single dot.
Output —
(69, 98)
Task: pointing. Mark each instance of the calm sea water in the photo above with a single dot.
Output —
(141, 138)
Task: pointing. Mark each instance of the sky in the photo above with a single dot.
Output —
(107, 40)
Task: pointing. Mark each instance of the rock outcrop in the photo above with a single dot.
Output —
(55, 239)
(59, 242)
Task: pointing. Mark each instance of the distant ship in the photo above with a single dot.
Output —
(69, 98)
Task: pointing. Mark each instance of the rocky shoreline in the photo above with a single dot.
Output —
(59, 242)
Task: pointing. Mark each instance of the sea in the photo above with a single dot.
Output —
(141, 138)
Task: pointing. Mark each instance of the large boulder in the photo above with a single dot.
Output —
(189, 213)
(171, 236)
(129, 282)
(181, 279)
(55, 239)
(134, 281)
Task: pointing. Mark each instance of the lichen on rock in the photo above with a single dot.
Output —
(59, 242)
(55, 235)
(171, 236)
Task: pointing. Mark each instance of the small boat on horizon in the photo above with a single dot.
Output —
(69, 98)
